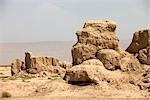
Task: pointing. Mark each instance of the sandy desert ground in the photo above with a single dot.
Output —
(56, 88)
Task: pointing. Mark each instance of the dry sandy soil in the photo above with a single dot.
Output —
(56, 88)
(5, 70)
(37, 89)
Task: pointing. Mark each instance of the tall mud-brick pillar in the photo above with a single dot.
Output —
(28, 59)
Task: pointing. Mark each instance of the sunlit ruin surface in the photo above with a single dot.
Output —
(100, 68)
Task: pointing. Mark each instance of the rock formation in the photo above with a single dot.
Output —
(144, 56)
(93, 72)
(85, 73)
(36, 64)
(95, 35)
(110, 58)
(131, 64)
(97, 55)
(144, 81)
(97, 40)
(141, 40)
(16, 67)
(141, 45)
(97, 59)
(39, 64)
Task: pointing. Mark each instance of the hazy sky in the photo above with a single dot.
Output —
(58, 20)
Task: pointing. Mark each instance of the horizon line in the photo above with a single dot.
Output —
(40, 41)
